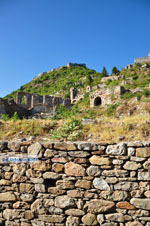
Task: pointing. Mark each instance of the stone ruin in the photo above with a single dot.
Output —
(27, 104)
(101, 96)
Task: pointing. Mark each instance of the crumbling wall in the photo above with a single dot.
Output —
(10, 107)
(73, 184)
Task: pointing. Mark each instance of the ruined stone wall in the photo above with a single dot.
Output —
(75, 184)
(142, 59)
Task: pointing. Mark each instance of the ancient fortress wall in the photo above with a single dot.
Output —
(75, 184)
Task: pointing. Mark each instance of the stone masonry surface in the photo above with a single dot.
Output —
(78, 183)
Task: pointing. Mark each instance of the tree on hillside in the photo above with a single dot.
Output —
(104, 72)
(115, 70)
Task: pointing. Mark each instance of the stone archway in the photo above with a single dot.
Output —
(97, 101)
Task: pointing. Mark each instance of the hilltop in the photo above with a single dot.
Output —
(59, 81)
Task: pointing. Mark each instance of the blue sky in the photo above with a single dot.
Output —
(38, 35)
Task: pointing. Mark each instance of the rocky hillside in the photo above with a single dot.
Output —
(59, 81)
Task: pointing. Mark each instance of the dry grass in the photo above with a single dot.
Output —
(106, 128)
(109, 129)
(10, 129)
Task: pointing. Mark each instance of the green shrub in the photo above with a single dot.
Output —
(15, 117)
(5, 117)
(71, 130)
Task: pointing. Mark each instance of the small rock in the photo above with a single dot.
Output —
(89, 219)
(100, 184)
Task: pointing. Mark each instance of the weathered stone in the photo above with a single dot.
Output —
(147, 194)
(99, 206)
(19, 168)
(75, 212)
(40, 165)
(125, 205)
(89, 219)
(145, 186)
(136, 193)
(4, 182)
(119, 149)
(49, 153)
(59, 159)
(18, 178)
(83, 184)
(131, 165)
(48, 145)
(51, 175)
(54, 210)
(135, 144)
(143, 152)
(12, 214)
(79, 154)
(138, 213)
(111, 180)
(51, 218)
(75, 193)
(37, 180)
(36, 205)
(64, 202)
(21, 205)
(143, 175)
(115, 172)
(146, 164)
(26, 197)
(64, 184)
(117, 217)
(48, 202)
(26, 188)
(126, 186)
(73, 169)
(137, 159)
(35, 150)
(87, 146)
(40, 188)
(97, 160)
(141, 203)
(72, 221)
(117, 161)
(114, 196)
(131, 151)
(7, 197)
(100, 184)
(56, 191)
(93, 171)
(100, 218)
(57, 167)
(14, 145)
(8, 175)
(33, 174)
(29, 215)
(80, 160)
(65, 146)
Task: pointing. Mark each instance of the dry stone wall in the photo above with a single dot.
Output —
(74, 184)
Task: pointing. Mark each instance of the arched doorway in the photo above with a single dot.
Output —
(97, 101)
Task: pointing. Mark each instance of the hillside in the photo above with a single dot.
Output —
(127, 117)
(59, 81)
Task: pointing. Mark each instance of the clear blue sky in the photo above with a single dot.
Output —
(38, 35)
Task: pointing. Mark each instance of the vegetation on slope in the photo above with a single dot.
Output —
(60, 81)
(121, 118)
